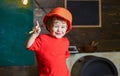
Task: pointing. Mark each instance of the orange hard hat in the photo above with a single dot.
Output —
(62, 13)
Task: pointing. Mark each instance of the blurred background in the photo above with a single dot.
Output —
(17, 19)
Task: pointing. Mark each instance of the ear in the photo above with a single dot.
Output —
(48, 28)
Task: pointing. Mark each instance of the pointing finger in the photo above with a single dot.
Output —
(37, 23)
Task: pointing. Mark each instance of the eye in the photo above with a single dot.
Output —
(63, 27)
(56, 26)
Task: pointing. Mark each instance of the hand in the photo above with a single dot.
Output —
(37, 28)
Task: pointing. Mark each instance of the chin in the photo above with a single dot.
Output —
(58, 37)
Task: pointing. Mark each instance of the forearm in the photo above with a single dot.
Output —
(31, 40)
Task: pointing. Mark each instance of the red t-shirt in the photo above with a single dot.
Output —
(51, 54)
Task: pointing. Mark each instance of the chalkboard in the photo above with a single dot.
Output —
(86, 13)
(15, 21)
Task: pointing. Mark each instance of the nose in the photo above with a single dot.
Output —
(59, 29)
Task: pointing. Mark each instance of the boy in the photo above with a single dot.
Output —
(52, 49)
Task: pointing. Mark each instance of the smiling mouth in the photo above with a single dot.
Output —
(58, 33)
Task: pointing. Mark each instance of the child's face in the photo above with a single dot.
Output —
(59, 28)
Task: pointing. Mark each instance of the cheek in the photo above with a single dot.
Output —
(54, 29)
(65, 30)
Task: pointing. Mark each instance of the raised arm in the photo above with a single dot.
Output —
(36, 31)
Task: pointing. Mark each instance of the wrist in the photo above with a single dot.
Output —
(35, 35)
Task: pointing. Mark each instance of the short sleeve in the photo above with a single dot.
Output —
(36, 44)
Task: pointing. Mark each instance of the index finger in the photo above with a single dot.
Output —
(37, 23)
